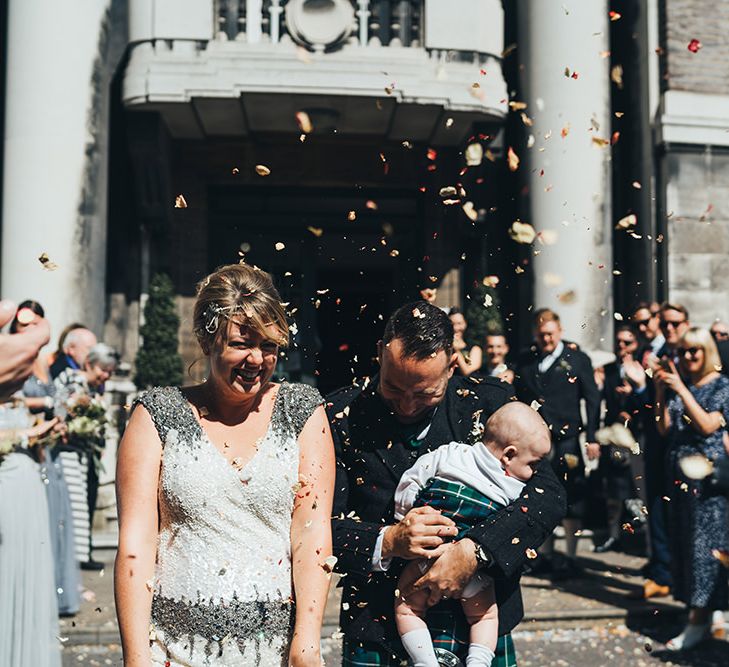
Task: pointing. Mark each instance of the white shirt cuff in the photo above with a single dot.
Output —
(380, 564)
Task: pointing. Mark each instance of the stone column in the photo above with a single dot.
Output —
(563, 53)
(55, 177)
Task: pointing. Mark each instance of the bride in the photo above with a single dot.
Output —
(225, 495)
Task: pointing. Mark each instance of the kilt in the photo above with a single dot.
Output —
(466, 506)
(449, 630)
(369, 654)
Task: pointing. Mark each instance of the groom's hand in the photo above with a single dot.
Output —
(419, 535)
(448, 576)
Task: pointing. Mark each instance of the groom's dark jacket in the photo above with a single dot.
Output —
(370, 462)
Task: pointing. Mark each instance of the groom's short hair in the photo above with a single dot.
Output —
(422, 328)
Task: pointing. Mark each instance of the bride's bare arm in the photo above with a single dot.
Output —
(137, 478)
(311, 537)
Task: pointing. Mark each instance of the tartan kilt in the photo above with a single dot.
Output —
(448, 628)
(369, 654)
(466, 506)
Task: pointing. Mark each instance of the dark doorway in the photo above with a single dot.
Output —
(341, 273)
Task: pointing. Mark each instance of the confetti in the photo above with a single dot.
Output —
(614, 16)
(628, 222)
(304, 122)
(235, 171)
(448, 191)
(329, 563)
(535, 405)
(722, 555)
(567, 297)
(46, 263)
(522, 232)
(25, 316)
(531, 554)
(517, 106)
(600, 142)
(262, 170)
(352, 216)
(279, 246)
(694, 45)
(316, 231)
(490, 281)
(180, 201)
(512, 159)
(616, 76)
(470, 210)
(474, 154)
(371, 205)
(696, 466)
(515, 540)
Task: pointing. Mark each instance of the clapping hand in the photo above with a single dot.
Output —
(667, 377)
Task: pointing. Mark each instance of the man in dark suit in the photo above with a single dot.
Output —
(558, 376)
(411, 407)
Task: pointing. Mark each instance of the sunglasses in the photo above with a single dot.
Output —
(642, 323)
(667, 324)
(720, 334)
(623, 342)
(691, 351)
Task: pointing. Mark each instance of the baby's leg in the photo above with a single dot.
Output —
(482, 613)
(410, 619)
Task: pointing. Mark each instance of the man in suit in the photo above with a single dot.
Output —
(412, 406)
(558, 376)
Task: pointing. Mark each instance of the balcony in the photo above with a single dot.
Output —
(417, 70)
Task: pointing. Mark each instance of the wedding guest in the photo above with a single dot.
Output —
(28, 608)
(467, 361)
(75, 347)
(496, 364)
(692, 415)
(719, 331)
(38, 392)
(18, 351)
(646, 318)
(80, 457)
(614, 473)
(560, 378)
(225, 495)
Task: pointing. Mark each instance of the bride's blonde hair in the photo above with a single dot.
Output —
(242, 293)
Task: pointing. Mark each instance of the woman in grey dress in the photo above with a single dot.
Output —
(693, 416)
(38, 392)
(225, 540)
(28, 611)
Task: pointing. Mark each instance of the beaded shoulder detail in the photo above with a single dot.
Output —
(169, 411)
(295, 403)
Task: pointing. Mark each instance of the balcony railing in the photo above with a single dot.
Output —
(377, 22)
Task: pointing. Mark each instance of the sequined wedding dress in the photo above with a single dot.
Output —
(223, 587)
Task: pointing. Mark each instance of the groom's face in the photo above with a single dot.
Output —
(410, 387)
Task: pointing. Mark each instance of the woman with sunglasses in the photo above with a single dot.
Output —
(691, 408)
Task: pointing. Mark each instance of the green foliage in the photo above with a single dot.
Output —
(158, 362)
(482, 319)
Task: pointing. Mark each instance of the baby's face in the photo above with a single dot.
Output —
(520, 461)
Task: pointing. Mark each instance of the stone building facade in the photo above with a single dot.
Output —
(160, 98)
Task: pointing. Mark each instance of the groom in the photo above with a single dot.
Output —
(412, 406)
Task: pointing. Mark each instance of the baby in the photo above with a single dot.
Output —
(468, 483)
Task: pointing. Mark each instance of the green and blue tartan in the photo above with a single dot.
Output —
(370, 654)
(467, 507)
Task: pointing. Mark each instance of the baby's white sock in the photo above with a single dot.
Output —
(479, 656)
(419, 646)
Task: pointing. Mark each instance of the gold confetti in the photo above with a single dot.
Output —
(512, 159)
(279, 246)
(522, 232)
(470, 210)
(180, 201)
(600, 142)
(474, 154)
(517, 106)
(722, 555)
(570, 296)
(262, 170)
(628, 222)
(46, 263)
(531, 554)
(316, 231)
(352, 216)
(304, 122)
(490, 281)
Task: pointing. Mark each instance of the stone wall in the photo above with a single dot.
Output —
(697, 203)
(705, 71)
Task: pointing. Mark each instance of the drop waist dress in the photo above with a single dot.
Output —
(222, 591)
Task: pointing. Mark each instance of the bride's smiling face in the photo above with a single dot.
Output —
(245, 359)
